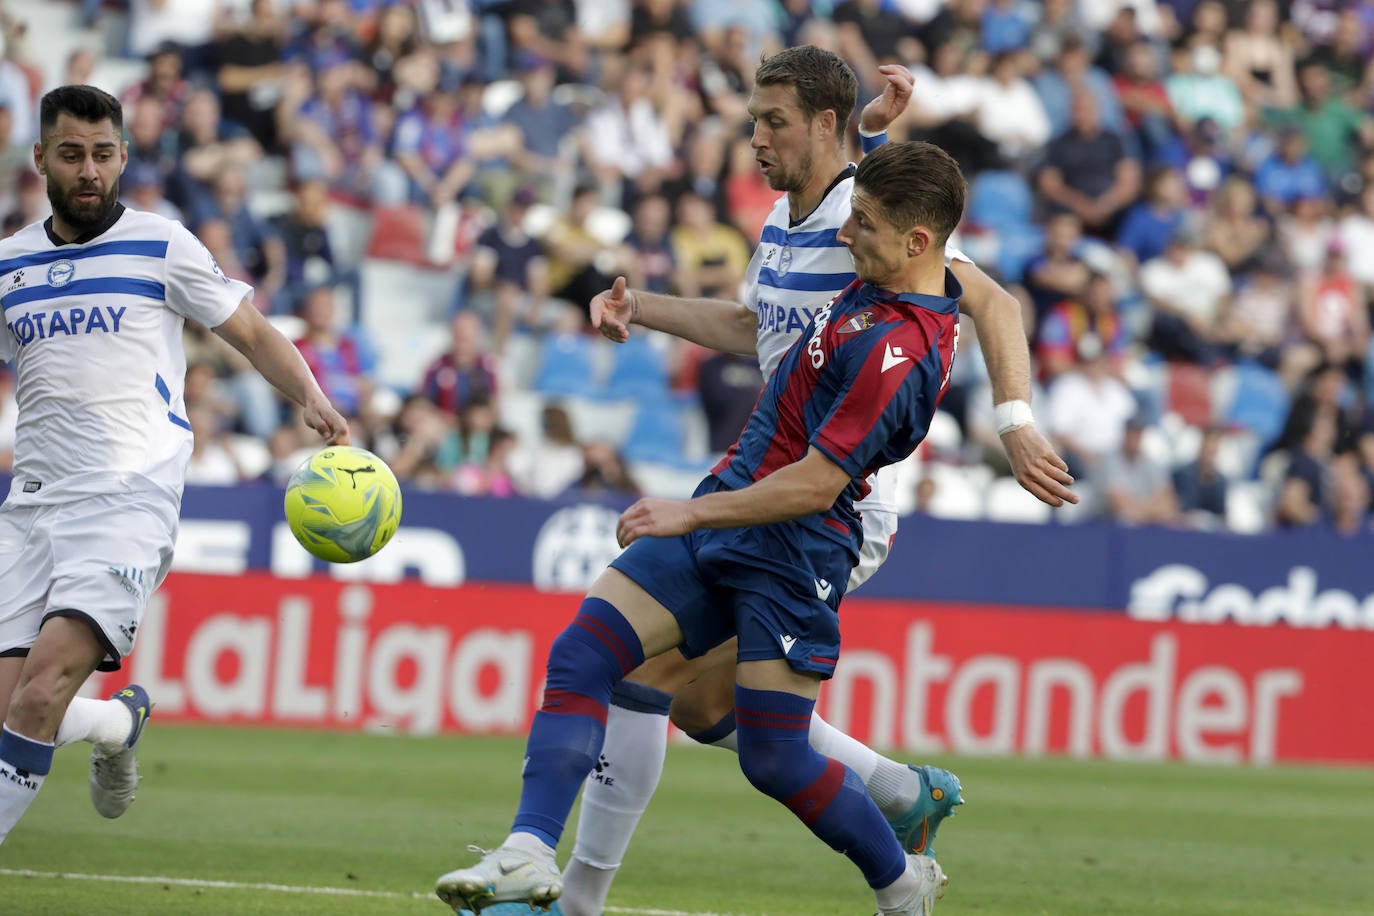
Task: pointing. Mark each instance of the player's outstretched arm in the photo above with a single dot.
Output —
(997, 315)
(804, 487)
(713, 323)
(282, 364)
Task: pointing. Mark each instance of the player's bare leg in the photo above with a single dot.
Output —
(61, 658)
(913, 799)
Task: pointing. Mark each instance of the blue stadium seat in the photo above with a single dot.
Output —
(1016, 246)
(1000, 200)
(639, 371)
(658, 434)
(1260, 404)
(567, 366)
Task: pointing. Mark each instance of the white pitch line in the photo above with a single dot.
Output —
(283, 888)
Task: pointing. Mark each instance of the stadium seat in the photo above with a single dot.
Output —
(600, 420)
(1260, 403)
(399, 234)
(1189, 394)
(1247, 507)
(1008, 501)
(638, 370)
(1016, 246)
(999, 200)
(657, 435)
(567, 366)
(959, 491)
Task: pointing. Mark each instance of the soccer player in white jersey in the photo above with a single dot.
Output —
(801, 105)
(94, 301)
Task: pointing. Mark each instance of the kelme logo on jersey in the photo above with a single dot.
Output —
(61, 273)
(44, 325)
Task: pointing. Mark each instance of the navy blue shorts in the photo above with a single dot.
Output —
(776, 587)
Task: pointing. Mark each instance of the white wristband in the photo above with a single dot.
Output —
(1011, 415)
(870, 134)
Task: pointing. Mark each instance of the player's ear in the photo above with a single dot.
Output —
(38, 158)
(917, 241)
(825, 120)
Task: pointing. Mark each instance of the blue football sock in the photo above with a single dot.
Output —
(586, 662)
(825, 794)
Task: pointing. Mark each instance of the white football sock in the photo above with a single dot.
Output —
(899, 891)
(528, 842)
(24, 763)
(103, 722)
(892, 785)
(616, 795)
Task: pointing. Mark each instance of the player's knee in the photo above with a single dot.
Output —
(772, 767)
(37, 705)
(694, 712)
(574, 661)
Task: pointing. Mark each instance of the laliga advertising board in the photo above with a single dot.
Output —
(925, 677)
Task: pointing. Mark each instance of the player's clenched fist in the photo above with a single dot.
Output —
(654, 518)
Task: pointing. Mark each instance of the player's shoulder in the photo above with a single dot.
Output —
(144, 225)
(30, 239)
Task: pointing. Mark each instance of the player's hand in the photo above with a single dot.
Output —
(654, 518)
(612, 310)
(329, 423)
(1038, 467)
(883, 110)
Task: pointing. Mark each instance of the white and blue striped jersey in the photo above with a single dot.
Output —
(94, 328)
(797, 269)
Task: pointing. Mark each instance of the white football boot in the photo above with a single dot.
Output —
(930, 889)
(503, 875)
(114, 772)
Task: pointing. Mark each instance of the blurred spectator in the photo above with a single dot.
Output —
(1349, 501)
(1007, 25)
(509, 271)
(550, 465)
(1259, 61)
(397, 36)
(626, 143)
(342, 361)
(1356, 234)
(1145, 104)
(212, 461)
(1091, 314)
(1149, 225)
(141, 188)
(1057, 24)
(1188, 290)
(1346, 55)
(209, 145)
(1009, 111)
(1200, 484)
(1327, 393)
(1333, 313)
(1072, 74)
(1237, 232)
(411, 446)
(324, 37)
(1059, 272)
(1335, 129)
(1260, 324)
(547, 29)
(256, 242)
(711, 256)
(217, 236)
(1199, 91)
(605, 471)
(1307, 479)
(1289, 174)
(1305, 232)
(438, 152)
(333, 138)
(309, 255)
(188, 24)
(1137, 486)
(164, 82)
(250, 74)
(1088, 172)
(944, 107)
(462, 457)
(651, 263)
(703, 173)
(151, 143)
(547, 127)
(1086, 410)
(580, 264)
(465, 373)
(729, 386)
(871, 33)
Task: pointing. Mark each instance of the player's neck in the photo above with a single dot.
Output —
(923, 276)
(803, 202)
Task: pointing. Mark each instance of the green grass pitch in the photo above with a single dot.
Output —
(238, 820)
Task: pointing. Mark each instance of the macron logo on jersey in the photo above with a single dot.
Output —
(893, 356)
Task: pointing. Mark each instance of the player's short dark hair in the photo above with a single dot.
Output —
(914, 184)
(85, 103)
(821, 78)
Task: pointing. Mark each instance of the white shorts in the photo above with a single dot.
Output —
(880, 528)
(96, 559)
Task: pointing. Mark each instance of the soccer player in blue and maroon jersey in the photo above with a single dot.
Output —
(763, 552)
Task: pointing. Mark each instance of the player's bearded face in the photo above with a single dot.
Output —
(782, 138)
(81, 162)
(82, 203)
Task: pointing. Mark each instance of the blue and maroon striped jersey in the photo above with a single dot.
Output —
(861, 385)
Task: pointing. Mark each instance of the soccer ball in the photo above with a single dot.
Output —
(343, 504)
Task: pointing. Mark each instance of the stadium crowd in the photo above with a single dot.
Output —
(427, 194)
